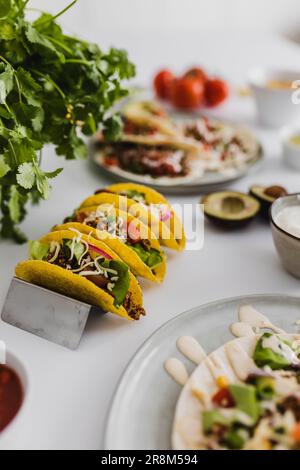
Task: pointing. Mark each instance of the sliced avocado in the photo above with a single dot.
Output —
(234, 440)
(245, 399)
(265, 356)
(212, 417)
(230, 209)
(266, 195)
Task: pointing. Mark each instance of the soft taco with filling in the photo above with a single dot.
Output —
(129, 238)
(147, 118)
(245, 395)
(147, 205)
(83, 268)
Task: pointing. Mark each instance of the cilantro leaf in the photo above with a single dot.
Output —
(6, 82)
(4, 168)
(5, 6)
(26, 175)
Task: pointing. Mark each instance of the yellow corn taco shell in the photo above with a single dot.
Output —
(127, 254)
(65, 282)
(170, 234)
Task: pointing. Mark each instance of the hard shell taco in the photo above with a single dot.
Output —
(84, 268)
(125, 235)
(245, 395)
(147, 205)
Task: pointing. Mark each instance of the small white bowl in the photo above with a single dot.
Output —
(291, 151)
(275, 106)
(287, 245)
(14, 430)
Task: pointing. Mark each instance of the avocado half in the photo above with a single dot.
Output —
(230, 209)
(266, 195)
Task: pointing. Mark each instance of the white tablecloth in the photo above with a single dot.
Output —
(70, 391)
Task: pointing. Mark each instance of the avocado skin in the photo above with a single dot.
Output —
(230, 224)
(264, 205)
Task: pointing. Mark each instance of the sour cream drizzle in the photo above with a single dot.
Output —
(252, 321)
(191, 349)
(176, 370)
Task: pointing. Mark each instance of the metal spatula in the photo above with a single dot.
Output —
(45, 313)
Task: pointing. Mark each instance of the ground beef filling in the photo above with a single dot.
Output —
(155, 161)
(133, 310)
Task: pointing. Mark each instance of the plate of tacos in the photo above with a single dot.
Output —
(223, 376)
(99, 253)
(176, 155)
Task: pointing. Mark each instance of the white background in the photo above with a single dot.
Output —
(101, 19)
(71, 391)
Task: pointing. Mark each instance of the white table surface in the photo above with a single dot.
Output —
(71, 391)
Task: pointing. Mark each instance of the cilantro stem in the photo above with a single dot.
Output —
(15, 75)
(61, 12)
(13, 151)
(78, 61)
(47, 77)
(59, 43)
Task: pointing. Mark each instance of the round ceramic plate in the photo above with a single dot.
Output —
(210, 181)
(142, 410)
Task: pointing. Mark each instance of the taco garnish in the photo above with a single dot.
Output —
(257, 411)
(147, 205)
(84, 268)
(124, 234)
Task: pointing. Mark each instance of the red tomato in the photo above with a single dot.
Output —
(223, 398)
(187, 93)
(197, 72)
(216, 91)
(162, 83)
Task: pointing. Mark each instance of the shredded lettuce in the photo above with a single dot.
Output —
(122, 284)
(38, 250)
(79, 248)
(136, 195)
(151, 257)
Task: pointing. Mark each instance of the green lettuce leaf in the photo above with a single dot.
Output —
(38, 250)
(122, 284)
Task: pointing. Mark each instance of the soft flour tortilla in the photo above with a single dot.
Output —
(71, 284)
(125, 252)
(170, 233)
(232, 360)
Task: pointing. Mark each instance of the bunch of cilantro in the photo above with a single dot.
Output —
(53, 89)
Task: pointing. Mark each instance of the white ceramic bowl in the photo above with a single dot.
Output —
(290, 151)
(9, 435)
(287, 245)
(275, 107)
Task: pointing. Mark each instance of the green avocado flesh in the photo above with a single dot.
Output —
(230, 207)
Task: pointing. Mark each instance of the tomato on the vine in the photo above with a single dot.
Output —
(216, 91)
(187, 93)
(162, 83)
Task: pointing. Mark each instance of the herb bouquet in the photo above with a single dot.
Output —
(53, 88)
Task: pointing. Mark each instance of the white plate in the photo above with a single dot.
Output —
(142, 410)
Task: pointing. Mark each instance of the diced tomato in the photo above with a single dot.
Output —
(162, 83)
(223, 398)
(216, 92)
(111, 161)
(296, 432)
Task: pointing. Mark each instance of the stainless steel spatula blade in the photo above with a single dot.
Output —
(45, 313)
